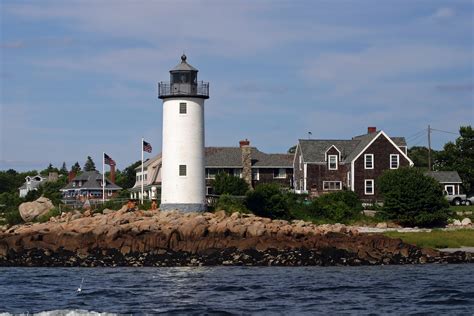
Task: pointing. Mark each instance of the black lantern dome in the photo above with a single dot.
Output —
(183, 83)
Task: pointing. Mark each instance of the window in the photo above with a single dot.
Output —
(209, 190)
(211, 173)
(237, 173)
(301, 160)
(394, 161)
(369, 161)
(144, 176)
(369, 187)
(182, 170)
(449, 189)
(80, 183)
(279, 173)
(332, 185)
(74, 184)
(332, 162)
(255, 174)
(182, 108)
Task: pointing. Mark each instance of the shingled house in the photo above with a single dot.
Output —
(249, 163)
(89, 185)
(246, 162)
(449, 180)
(322, 166)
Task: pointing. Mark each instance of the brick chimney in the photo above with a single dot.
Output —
(371, 129)
(71, 175)
(246, 161)
(112, 173)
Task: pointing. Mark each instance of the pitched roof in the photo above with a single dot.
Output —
(92, 181)
(314, 150)
(148, 162)
(445, 176)
(232, 157)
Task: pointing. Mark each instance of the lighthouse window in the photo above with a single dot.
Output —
(182, 108)
(182, 170)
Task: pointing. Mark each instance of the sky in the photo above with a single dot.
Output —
(79, 78)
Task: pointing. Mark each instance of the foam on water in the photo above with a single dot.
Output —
(425, 289)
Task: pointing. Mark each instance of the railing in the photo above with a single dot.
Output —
(166, 89)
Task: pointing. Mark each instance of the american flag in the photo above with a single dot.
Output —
(108, 161)
(146, 147)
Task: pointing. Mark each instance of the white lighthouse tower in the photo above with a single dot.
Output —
(182, 182)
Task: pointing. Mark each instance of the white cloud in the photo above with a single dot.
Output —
(444, 13)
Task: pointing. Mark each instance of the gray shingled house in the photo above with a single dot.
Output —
(89, 184)
(450, 180)
(246, 162)
(322, 165)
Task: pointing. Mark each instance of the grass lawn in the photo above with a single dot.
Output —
(438, 238)
(462, 208)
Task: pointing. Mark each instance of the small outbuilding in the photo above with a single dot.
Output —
(450, 180)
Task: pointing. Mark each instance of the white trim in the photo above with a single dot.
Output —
(296, 153)
(329, 162)
(398, 161)
(340, 185)
(257, 174)
(451, 186)
(391, 141)
(365, 186)
(352, 176)
(365, 161)
(305, 174)
(326, 153)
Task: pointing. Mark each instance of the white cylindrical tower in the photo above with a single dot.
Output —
(182, 173)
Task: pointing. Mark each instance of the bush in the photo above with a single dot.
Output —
(227, 184)
(51, 213)
(339, 206)
(267, 200)
(231, 204)
(111, 205)
(413, 199)
(13, 217)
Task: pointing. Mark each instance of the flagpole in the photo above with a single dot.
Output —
(103, 177)
(142, 170)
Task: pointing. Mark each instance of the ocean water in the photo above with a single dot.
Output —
(414, 289)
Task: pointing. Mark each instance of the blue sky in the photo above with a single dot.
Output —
(80, 77)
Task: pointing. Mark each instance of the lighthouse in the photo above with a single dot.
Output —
(182, 172)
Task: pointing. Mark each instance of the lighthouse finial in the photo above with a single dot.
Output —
(183, 58)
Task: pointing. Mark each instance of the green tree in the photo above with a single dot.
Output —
(76, 168)
(338, 206)
(419, 156)
(63, 169)
(89, 165)
(267, 200)
(126, 178)
(459, 156)
(292, 149)
(412, 199)
(227, 184)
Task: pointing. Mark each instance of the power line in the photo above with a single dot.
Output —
(416, 134)
(438, 130)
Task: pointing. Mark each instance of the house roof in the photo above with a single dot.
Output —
(232, 157)
(148, 162)
(314, 149)
(445, 176)
(92, 182)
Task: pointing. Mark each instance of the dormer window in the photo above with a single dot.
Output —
(332, 162)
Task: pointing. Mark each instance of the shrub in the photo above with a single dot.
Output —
(227, 184)
(267, 200)
(51, 213)
(413, 199)
(231, 204)
(111, 205)
(339, 206)
(13, 217)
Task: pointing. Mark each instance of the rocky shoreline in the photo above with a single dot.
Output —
(154, 238)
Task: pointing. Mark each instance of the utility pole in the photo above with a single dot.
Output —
(429, 148)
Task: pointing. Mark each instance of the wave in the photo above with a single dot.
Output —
(65, 312)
